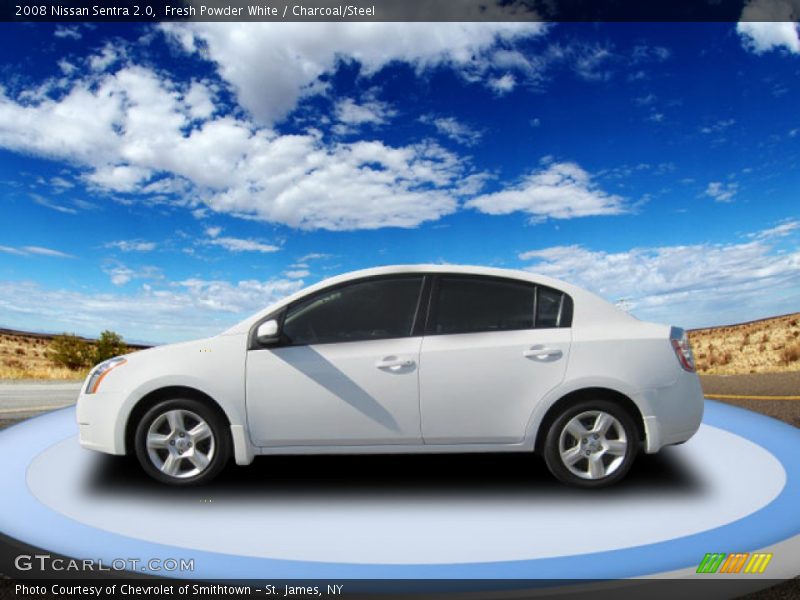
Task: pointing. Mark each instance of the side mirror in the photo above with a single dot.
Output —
(268, 333)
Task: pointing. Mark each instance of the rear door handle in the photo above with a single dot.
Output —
(392, 363)
(542, 353)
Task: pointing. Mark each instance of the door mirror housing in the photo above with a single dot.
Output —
(268, 333)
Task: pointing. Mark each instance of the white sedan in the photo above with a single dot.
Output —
(406, 359)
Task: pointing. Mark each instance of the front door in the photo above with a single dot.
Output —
(346, 372)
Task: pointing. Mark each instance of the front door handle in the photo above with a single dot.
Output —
(392, 363)
(542, 353)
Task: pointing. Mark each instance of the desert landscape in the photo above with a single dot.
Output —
(765, 346)
(26, 355)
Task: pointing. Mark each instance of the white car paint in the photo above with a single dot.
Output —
(472, 392)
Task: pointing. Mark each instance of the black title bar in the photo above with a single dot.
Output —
(399, 10)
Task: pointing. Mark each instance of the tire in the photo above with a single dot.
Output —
(600, 428)
(182, 442)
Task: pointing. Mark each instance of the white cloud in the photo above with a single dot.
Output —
(132, 245)
(122, 178)
(161, 312)
(213, 231)
(781, 230)
(504, 84)
(721, 192)
(454, 129)
(121, 274)
(61, 183)
(590, 62)
(67, 32)
(12, 250)
(718, 126)
(67, 68)
(108, 55)
(242, 245)
(643, 53)
(35, 250)
(298, 274)
(42, 201)
(128, 127)
(199, 101)
(770, 25)
(243, 297)
(313, 256)
(373, 112)
(559, 191)
(688, 285)
(645, 100)
(271, 66)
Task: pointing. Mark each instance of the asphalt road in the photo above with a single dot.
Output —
(759, 385)
(21, 399)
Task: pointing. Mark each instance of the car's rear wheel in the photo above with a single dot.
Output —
(182, 442)
(591, 444)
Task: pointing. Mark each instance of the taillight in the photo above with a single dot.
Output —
(680, 343)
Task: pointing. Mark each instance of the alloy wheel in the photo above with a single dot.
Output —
(180, 443)
(593, 444)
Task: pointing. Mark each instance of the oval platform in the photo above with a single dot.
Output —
(734, 487)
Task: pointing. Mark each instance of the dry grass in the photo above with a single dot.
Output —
(25, 357)
(767, 346)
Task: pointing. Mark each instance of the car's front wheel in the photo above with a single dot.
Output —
(591, 444)
(182, 442)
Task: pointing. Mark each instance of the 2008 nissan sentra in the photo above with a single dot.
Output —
(406, 359)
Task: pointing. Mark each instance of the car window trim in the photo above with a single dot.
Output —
(430, 320)
(282, 312)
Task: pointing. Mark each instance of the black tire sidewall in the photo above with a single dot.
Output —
(552, 455)
(220, 431)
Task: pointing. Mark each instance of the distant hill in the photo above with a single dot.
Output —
(769, 345)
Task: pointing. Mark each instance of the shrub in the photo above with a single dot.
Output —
(70, 351)
(108, 346)
(20, 351)
(790, 353)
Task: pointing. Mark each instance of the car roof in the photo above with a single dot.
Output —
(449, 268)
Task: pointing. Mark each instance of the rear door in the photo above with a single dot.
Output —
(493, 348)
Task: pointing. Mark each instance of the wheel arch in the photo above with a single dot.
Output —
(587, 393)
(153, 397)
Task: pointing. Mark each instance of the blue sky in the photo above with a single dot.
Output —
(166, 181)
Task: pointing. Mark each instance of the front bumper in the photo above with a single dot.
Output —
(98, 422)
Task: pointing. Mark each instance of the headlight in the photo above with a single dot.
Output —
(100, 371)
